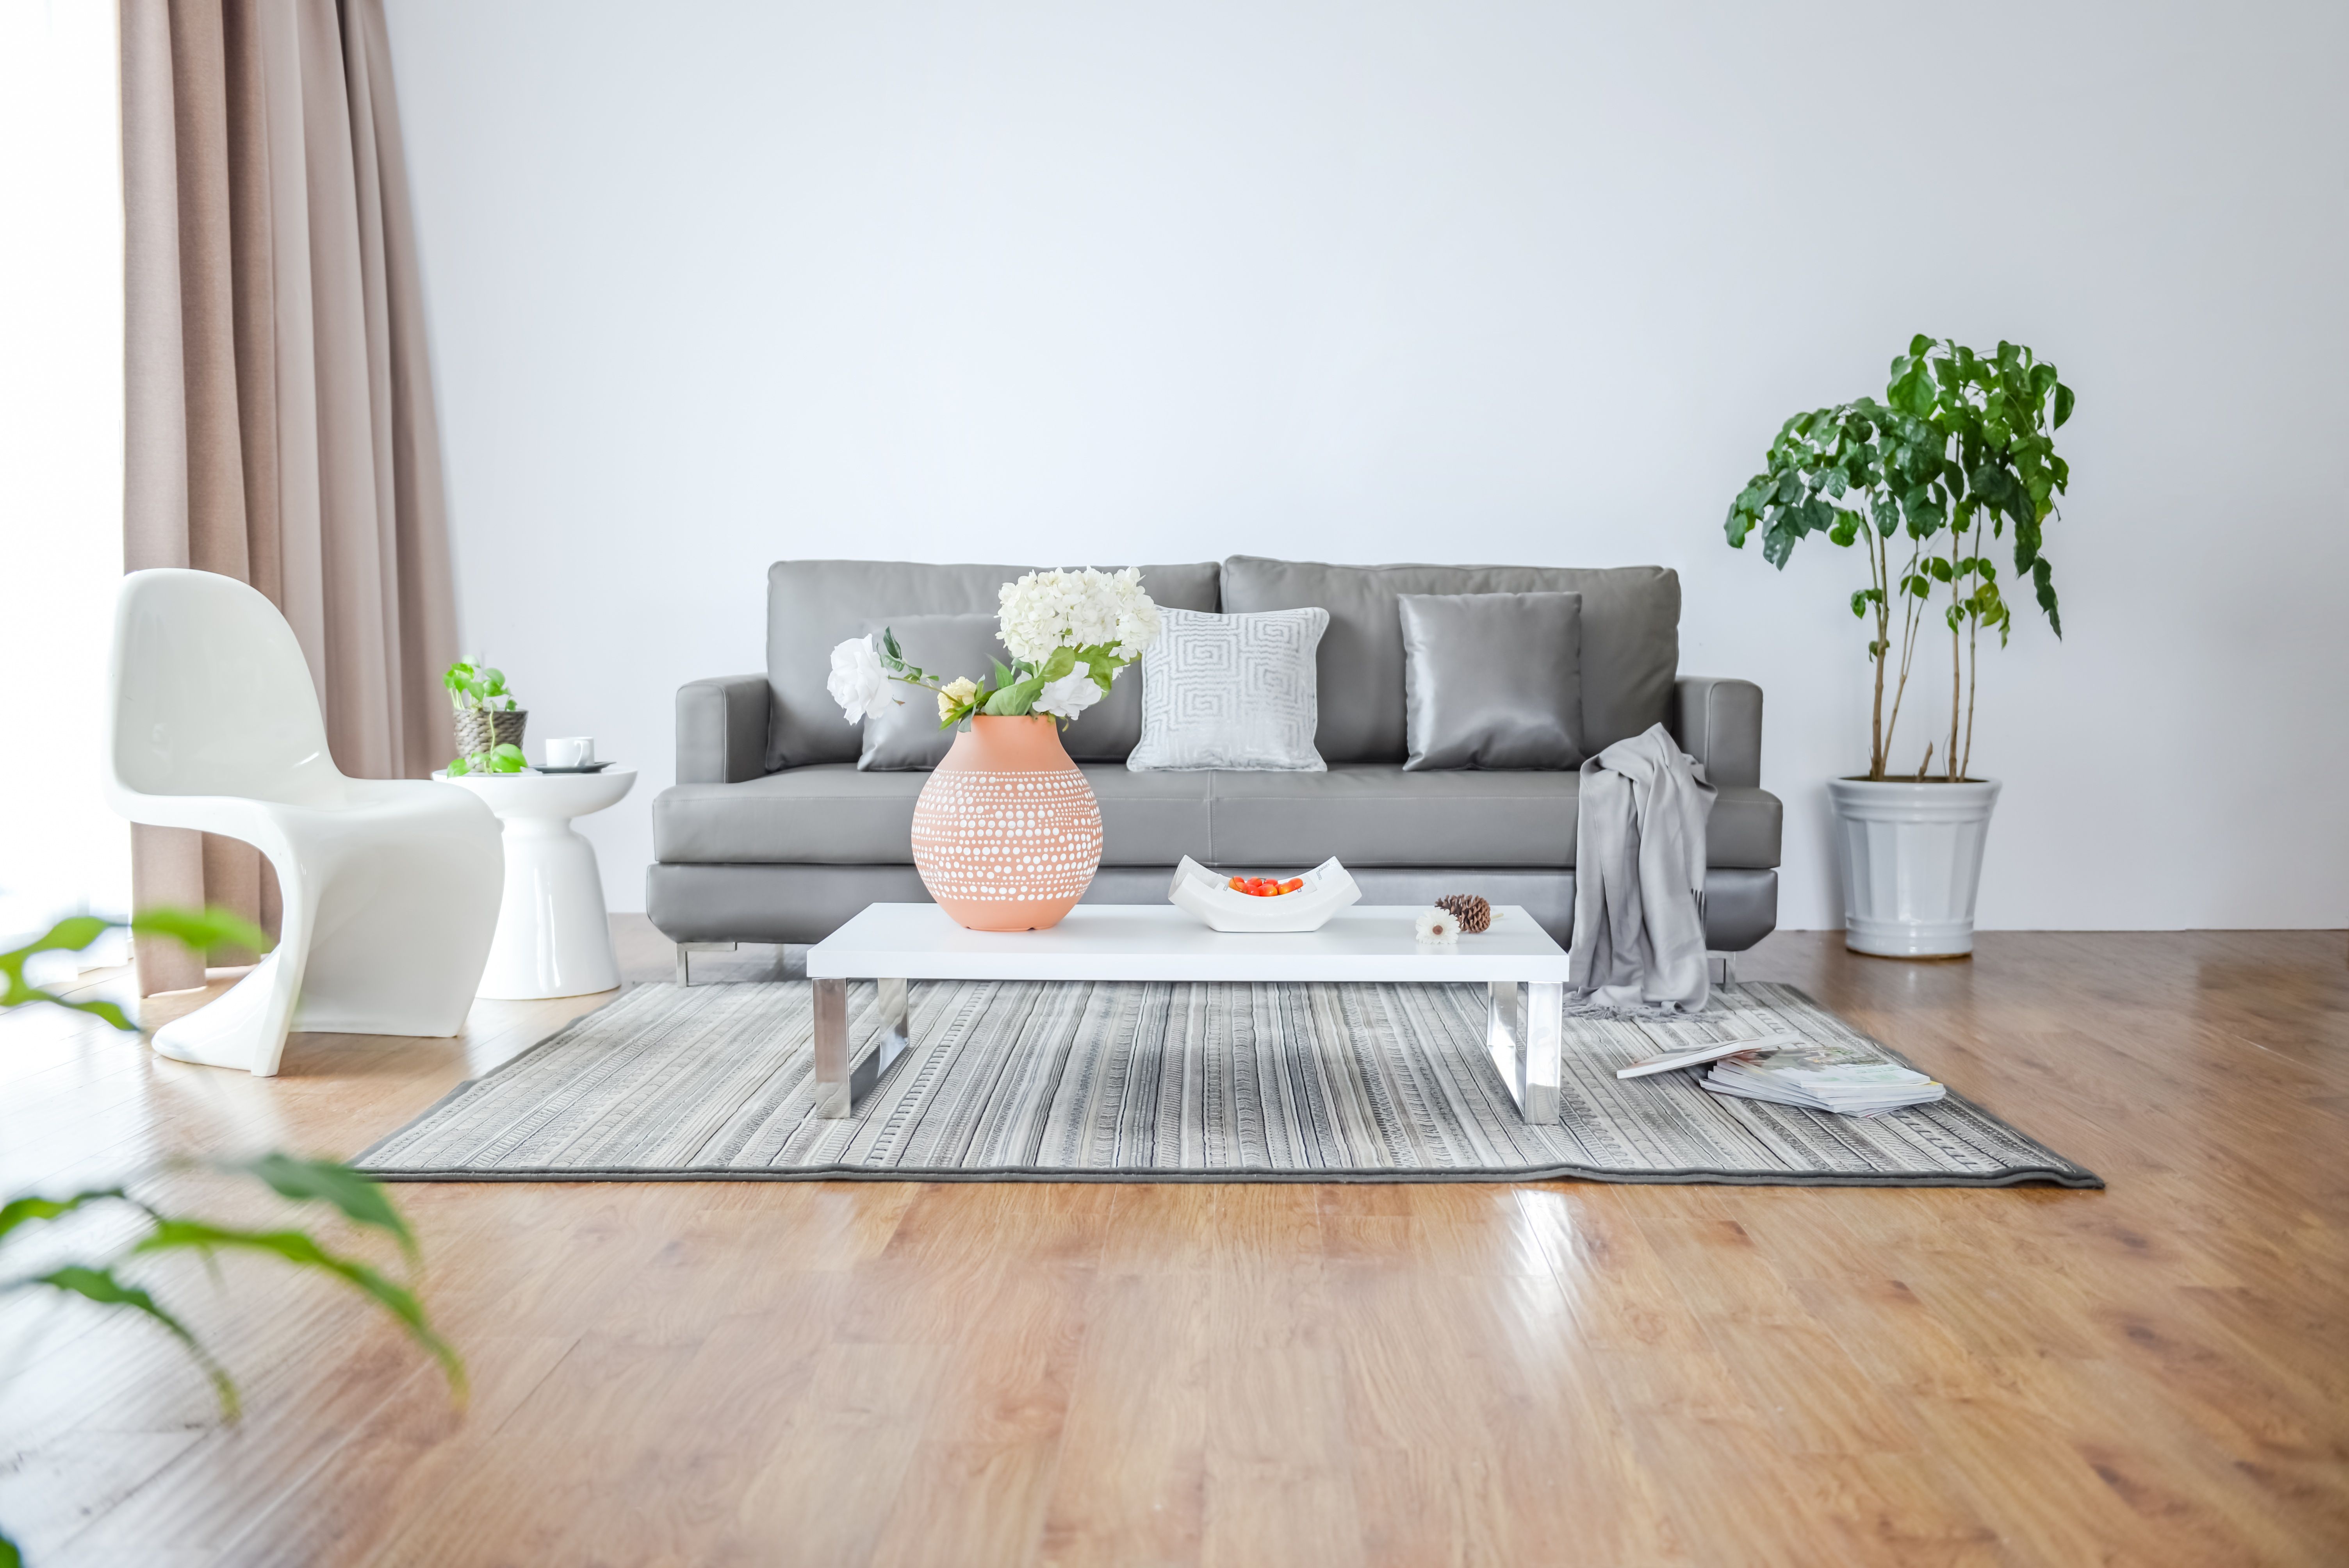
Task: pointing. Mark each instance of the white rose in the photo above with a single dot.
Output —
(1068, 696)
(857, 681)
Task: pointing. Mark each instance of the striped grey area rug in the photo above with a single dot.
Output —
(1075, 1081)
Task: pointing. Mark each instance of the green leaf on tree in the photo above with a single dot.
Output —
(359, 1200)
(102, 1286)
(203, 932)
(300, 1249)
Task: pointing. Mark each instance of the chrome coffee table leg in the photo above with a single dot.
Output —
(832, 1092)
(1525, 1031)
(1545, 1044)
(837, 1084)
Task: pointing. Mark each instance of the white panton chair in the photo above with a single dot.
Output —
(391, 886)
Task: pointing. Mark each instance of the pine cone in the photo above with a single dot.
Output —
(1473, 913)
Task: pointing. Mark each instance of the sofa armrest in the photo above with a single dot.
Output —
(1718, 721)
(721, 729)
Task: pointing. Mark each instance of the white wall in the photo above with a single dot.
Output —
(61, 851)
(718, 284)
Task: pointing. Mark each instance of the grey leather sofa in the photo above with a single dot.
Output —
(772, 833)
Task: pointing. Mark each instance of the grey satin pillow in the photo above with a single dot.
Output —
(1492, 680)
(906, 735)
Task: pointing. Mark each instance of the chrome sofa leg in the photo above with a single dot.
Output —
(683, 957)
(1728, 981)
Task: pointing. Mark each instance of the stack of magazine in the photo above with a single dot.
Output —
(1754, 1055)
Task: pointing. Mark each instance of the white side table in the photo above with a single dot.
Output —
(554, 938)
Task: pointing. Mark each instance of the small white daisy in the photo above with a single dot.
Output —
(1437, 925)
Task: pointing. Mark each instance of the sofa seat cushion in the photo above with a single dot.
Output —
(1375, 814)
(1366, 814)
(831, 813)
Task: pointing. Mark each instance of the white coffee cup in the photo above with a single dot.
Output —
(572, 751)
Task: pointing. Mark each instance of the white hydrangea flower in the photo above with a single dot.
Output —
(1068, 696)
(857, 681)
(1047, 610)
(1437, 925)
(1137, 616)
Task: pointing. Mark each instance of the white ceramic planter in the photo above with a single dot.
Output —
(1911, 863)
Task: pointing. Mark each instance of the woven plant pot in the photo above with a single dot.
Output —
(480, 728)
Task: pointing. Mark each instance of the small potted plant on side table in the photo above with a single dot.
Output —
(1961, 446)
(486, 715)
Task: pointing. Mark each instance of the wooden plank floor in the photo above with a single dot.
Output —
(886, 1373)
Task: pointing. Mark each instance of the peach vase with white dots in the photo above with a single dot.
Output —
(1007, 833)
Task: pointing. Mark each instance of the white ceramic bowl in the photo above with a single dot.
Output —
(1199, 891)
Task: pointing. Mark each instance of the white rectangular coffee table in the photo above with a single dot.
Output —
(894, 942)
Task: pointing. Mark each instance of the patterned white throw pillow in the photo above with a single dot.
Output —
(1231, 691)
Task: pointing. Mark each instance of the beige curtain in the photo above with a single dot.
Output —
(279, 422)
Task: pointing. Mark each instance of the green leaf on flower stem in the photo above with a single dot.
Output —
(100, 1285)
(2062, 404)
(1015, 699)
(213, 928)
(298, 1248)
(1063, 661)
(359, 1200)
(1737, 524)
(458, 767)
(1003, 676)
(508, 758)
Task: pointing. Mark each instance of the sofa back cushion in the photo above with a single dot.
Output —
(813, 605)
(1630, 641)
(905, 734)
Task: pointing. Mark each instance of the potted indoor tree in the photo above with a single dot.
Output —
(1960, 455)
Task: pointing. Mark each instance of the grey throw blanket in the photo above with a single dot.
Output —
(1639, 877)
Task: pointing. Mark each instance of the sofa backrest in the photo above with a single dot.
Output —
(811, 606)
(1630, 640)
